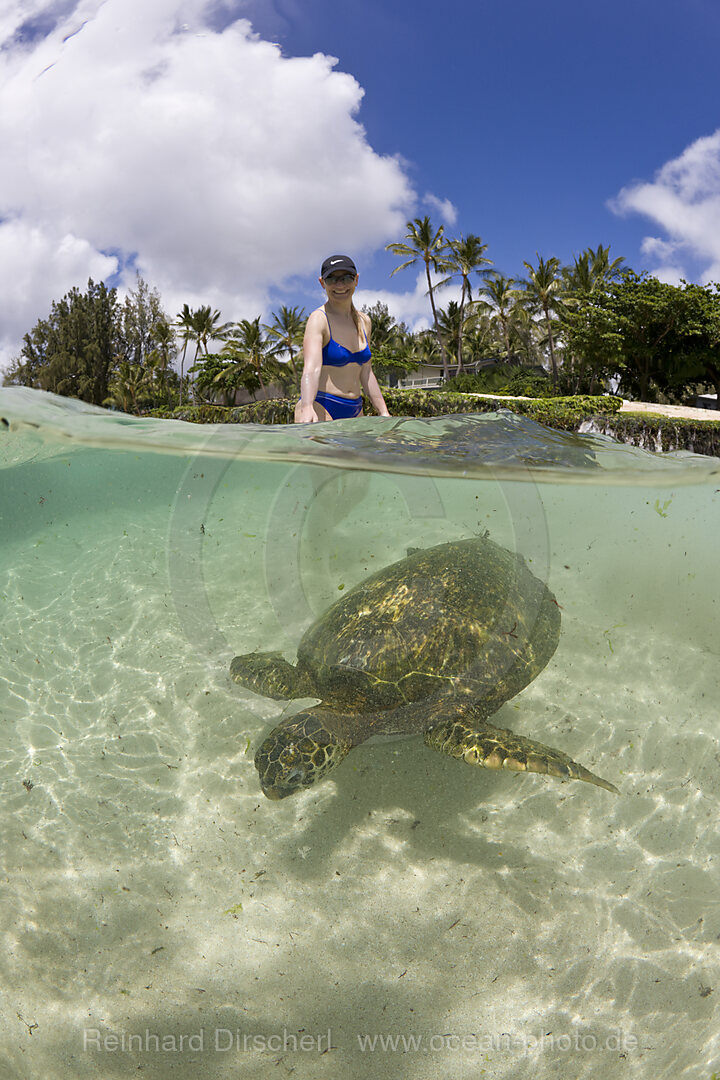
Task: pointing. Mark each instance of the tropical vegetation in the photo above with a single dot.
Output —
(590, 327)
(425, 244)
(126, 355)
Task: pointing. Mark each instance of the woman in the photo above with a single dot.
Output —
(337, 367)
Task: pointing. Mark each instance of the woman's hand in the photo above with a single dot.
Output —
(305, 414)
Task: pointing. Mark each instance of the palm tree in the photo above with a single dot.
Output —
(424, 349)
(591, 271)
(159, 358)
(185, 325)
(543, 291)
(205, 327)
(502, 307)
(222, 373)
(603, 270)
(385, 331)
(450, 322)
(479, 340)
(468, 256)
(248, 344)
(430, 247)
(128, 387)
(590, 274)
(200, 326)
(287, 329)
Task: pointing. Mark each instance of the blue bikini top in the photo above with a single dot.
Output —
(336, 355)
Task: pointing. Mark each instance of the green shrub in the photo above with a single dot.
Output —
(528, 384)
(564, 413)
(487, 381)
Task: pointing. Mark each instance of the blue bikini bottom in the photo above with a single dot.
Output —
(340, 408)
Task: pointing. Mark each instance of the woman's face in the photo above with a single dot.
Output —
(340, 286)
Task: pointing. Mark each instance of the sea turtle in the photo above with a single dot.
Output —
(433, 645)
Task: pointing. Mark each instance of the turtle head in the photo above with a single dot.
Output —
(299, 752)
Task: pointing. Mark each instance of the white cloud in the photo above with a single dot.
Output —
(445, 210)
(670, 273)
(208, 160)
(684, 199)
(657, 248)
(38, 266)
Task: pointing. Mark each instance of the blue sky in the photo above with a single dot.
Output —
(530, 118)
(224, 148)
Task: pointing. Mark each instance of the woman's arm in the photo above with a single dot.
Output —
(312, 366)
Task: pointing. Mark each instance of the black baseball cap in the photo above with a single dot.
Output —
(335, 263)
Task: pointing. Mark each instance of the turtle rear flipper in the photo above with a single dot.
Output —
(271, 675)
(489, 747)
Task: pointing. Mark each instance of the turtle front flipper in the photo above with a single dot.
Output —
(271, 675)
(490, 747)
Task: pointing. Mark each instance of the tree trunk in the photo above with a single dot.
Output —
(296, 382)
(644, 380)
(443, 350)
(506, 335)
(460, 334)
(182, 368)
(465, 289)
(551, 346)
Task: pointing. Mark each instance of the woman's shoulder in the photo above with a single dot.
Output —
(317, 321)
(365, 322)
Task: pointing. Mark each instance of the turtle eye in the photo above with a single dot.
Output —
(288, 755)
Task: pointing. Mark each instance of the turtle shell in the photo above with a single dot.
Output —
(463, 619)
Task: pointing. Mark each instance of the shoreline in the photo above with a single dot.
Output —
(684, 412)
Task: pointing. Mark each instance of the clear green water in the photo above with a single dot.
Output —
(161, 918)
